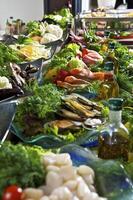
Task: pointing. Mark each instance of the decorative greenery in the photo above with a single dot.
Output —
(8, 55)
(45, 99)
(21, 165)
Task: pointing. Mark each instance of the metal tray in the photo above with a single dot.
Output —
(7, 113)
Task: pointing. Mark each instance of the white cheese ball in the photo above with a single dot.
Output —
(82, 188)
(85, 170)
(32, 193)
(53, 168)
(88, 179)
(67, 173)
(54, 180)
(63, 159)
(71, 185)
(53, 197)
(63, 193)
(49, 159)
(45, 198)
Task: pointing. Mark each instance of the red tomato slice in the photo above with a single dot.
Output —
(75, 71)
(12, 192)
(84, 52)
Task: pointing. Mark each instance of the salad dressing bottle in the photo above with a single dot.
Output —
(109, 87)
(106, 38)
(111, 56)
(114, 139)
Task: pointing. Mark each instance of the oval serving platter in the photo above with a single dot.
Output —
(53, 141)
(111, 179)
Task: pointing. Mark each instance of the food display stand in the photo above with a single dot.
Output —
(66, 105)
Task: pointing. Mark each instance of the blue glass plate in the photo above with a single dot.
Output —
(111, 179)
(90, 139)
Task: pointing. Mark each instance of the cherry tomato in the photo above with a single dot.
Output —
(12, 192)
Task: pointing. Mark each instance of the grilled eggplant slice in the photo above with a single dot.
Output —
(65, 124)
(70, 115)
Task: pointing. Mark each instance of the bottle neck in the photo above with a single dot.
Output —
(115, 117)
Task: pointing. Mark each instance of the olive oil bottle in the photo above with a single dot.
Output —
(106, 40)
(114, 138)
(112, 57)
(109, 87)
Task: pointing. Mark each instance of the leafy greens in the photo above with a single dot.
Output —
(21, 165)
(46, 99)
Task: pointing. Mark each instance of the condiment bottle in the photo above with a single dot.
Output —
(104, 47)
(114, 138)
(106, 33)
(7, 29)
(112, 57)
(11, 26)
(109, 86)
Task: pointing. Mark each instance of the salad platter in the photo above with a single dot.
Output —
(56, 107)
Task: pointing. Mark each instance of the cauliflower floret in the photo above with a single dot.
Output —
(48, 37)
(55, 30)
(4, 83)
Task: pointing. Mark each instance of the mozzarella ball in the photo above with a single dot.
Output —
(75, 198)
(63, 193)
(53, 168)
(53, 197)
(71, 184)
(91, 195)
(85, 170)
(45, 198)
(67, 173)
(31, 193)
(63, 159)
(82, 188)
(88, 179)
(49, 159)
(53, 180)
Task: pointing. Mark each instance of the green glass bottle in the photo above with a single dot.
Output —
(114, 138)
(109, 87)
(112, 57)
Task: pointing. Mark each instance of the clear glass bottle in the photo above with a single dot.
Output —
(10, 25)
(114, 138)
(7, 29)
(109, 87)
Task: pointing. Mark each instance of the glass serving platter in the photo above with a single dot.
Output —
(89, 139)
(53, 141)
(111, 179)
